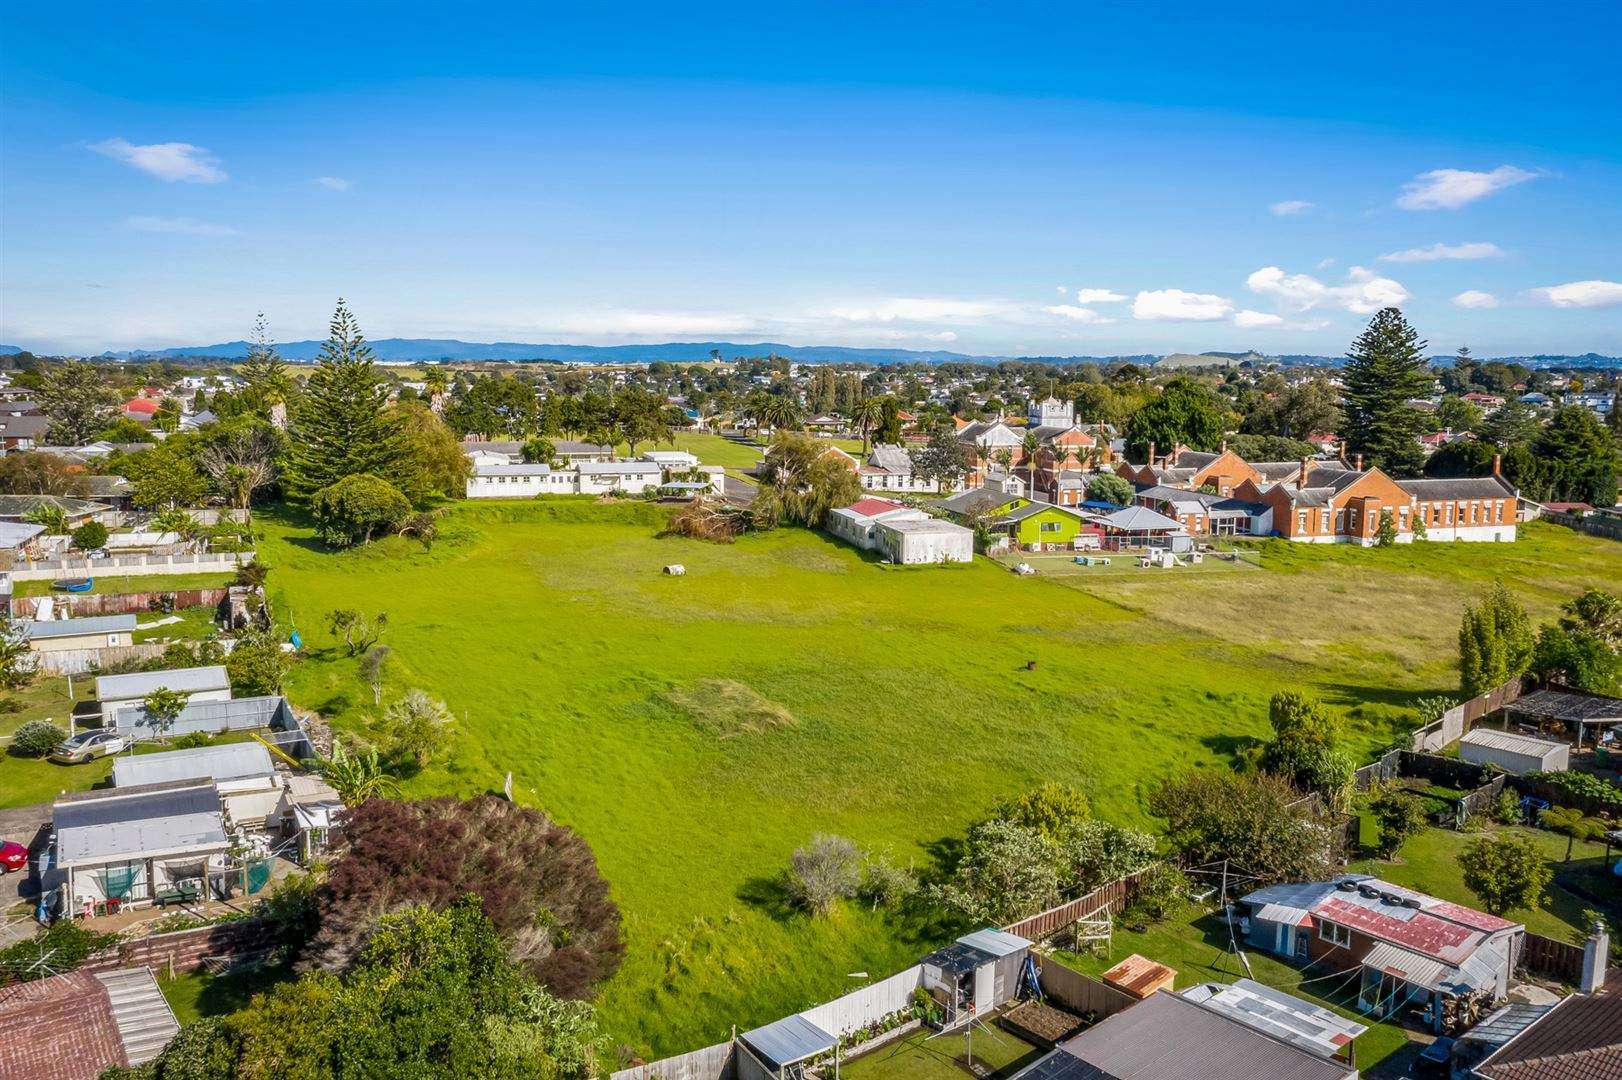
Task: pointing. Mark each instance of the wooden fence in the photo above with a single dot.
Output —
(1082, 994)
(1592, 524)
(79, 661)
(1552, 959)
(139, 603)
(1457, 720)
(1111, 898)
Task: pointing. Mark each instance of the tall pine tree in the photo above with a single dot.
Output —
(268, 382)
(341, 428)
(1386, 368)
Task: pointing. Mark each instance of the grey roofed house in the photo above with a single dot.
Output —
(1580, 1038)
(786, 1041)
(141, 683)
(17, 507)
(1168, 1037)
(231, 761)
(891, 458)
(1032, 508)
(14, 534)
(33, 630)
(571, 448)
(619, 468)
(492, 468)
(148, 821)
(510, 447)
(1139, 519)
(24, 427)
(1274, 471)
(985, 497)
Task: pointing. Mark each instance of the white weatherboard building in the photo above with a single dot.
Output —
(1515, 754)
(506, 480)
(132, 844)
(901, 534)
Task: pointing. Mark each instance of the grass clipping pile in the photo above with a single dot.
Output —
(726, 708)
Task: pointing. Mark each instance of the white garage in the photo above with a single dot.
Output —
(922, 541)
(1515, 754)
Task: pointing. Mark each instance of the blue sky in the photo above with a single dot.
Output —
(1053, 179)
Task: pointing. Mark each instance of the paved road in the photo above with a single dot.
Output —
(740, 491)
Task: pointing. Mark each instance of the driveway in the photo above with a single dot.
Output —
(739, 491)
(29, 825)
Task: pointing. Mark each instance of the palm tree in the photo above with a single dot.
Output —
(868, 413)
(782, 413)
(1573, 822)
(435, 381)
(52, 516)
(1031, 445)
(356, 776)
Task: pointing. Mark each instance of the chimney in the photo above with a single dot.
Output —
(1151, 453)
(1498, 464)
(1596, 954)
(1222, 447)
(1301, 481)
(1357, 463)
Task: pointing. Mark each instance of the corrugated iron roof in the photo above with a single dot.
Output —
(791, 1039)
(33, 630)
(1283, 1016)
(1509, 741)
(997, 943)
(1407, 965)
(232, 761)
(142, 683)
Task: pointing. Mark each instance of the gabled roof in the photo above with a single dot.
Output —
(1435, 929)
(891, 458)
(874, 507)
(60, 1028)
(17, 506)
(14, 534)
(1579, 1039)
(59, 628)
(1464, 487)
(1139, 519)
(1167, 1037)
(981, 498)
(1034, 508)
(141, 683)
(230, 761)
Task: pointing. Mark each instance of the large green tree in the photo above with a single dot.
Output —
(1185, 413)
(269, 383)
(1495, 642)
(76, 397)
(343, 427)
(1577, 456)
(1385, 371)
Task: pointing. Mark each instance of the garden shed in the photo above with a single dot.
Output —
(1515, 754)
(974, 974)
(782, 1049)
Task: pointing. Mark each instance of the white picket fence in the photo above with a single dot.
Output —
(120, 565)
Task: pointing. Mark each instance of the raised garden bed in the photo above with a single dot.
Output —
(1041, 1024)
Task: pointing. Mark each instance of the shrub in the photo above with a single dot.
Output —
(358, 508)
(191, 740)
(1507, 871)
(258, 663)
(417, 725)
(826, 870)
(885, 885)
(1007, 872)
(1400, 815)
(1586, 786)
(1507, 810)
(1052, 809)
(1160, 890)
(90, 536)
(36, 739)
(64, 944)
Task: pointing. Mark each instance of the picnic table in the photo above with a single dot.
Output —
(179, 893)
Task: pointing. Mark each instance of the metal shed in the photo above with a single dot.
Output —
(975, 974)
(1515, 754)
(780, 1050)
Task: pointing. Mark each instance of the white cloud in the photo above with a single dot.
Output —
(1438, 252)
(922, 309)
(1079, 314)
(1474, 298)
(1291, 207)
(1062, 290)
(1449, 189)
(170, 161)
(333, 183)
(1253, 319)
(1363, 294)
(1175, 305)
(1325, 264)
(182, 225)
(1581, 294)
(1098, 296)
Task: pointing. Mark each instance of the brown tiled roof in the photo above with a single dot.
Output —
(59, 1028)
(1579, 1039)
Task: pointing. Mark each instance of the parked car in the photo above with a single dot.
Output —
(89, 744)
(13, 856)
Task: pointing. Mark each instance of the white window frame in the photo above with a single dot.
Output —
(1334, 933)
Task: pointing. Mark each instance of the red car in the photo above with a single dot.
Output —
(12, 857)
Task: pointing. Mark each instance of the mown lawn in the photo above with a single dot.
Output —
(710, 449)
(697, 729)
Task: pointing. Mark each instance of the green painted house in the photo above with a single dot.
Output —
(1038, 526)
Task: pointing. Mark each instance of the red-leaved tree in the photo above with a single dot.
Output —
(537, 881)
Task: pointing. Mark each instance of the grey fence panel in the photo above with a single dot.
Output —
(1082, 993)
(859, 1008)
(711, 1063)
(79, 661)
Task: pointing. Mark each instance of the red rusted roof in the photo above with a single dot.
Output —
(1421, 931)
(59, 1028)
(140, 404)
(874, 507)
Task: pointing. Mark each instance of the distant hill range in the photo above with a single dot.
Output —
(436, 349)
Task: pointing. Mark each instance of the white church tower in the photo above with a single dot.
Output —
(1051, 412)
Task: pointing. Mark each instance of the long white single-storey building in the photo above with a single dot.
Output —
(901, 534)
(495, 480)
(95, 632)
(1514, 753)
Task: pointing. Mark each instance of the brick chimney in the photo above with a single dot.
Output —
(1151, 453)
(1222, 447)
(1498, 464)
(1301, 481)
(1357, 463)
(1596, 954)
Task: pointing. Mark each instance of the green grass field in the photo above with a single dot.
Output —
(710, 449)
(697, 729)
